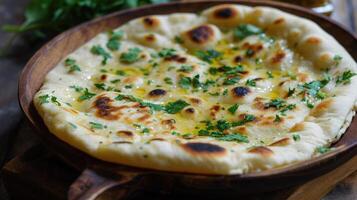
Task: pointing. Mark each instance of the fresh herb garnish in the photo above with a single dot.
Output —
(86, 95)
(208, 55)
(337, 59)
(44, 99)
(185, 82)
(113, 43)
(233, 108)
(171, 107)
(98, 50)
(291, 92)
(71, 63)
(168, 80)
(44, 18)
(186, 68)
(175, 107)
(345, 78)
(245, 30)
(55, 101)
(251, 82)
(270, 74)
(277, 118)
(131, 56)
(178, 39)
(167, 52)
(296, 137)
(275, 103)
(95, 125)
(76, 88)
(323, 149)
(100, 86)
(231, 81)
(234, 137)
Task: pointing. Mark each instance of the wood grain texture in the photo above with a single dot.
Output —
(194, 184)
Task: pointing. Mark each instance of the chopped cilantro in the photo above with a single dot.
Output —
(128, 86)
(337, 59)
(168, 80)
(113, 43)
(251, 82)
(98, 50)
(223, 125)
(276, 103)
(71, 63)
(178, 39)
(86, 95)
(245, 30)
(314, 87)
(208, 55)
(247, 118)
(115, 81)
(345, 78)
(76, 88)
(95, 125)
(175, 107)
(286, 108)
(55, 101)
(145, 130)
(213, 70)
(185, 82)
(131, 56)
(225, 92)
(270, 74)
(233, 108)
(167, 52)
(277, 118)
(231, 81)
(186, 68)
(120, 72)
(291, 92)
(296, 137)
(175, 133)
(44, 99)
(322, 149)
(100, 86)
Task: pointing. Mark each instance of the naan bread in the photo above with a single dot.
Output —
(235, 89)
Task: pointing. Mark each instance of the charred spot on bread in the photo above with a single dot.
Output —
(150, 22)
(157, 93)
(104, 108)
(225, 13)
(201, 34)
(203, 148)
(240, 91)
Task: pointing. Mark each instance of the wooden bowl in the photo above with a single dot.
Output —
(99, 175)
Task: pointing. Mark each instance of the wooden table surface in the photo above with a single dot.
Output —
(16, 137)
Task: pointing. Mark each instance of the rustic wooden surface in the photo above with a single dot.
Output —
(10, 116)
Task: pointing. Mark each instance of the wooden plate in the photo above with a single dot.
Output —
(99, 175)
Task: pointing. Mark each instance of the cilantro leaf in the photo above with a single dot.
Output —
(167, 52)
(44, 99)
(98, 50)
(345, 77)
(95, 125)
(233, 108)
(245, 30)
(86, 95)
(208, 55)
(131, 56)
(175, 107)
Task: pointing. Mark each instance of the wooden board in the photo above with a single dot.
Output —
(41, 175)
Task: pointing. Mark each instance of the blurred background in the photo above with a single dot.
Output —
(27, 24)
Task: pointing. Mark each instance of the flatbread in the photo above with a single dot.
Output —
(235, 89)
